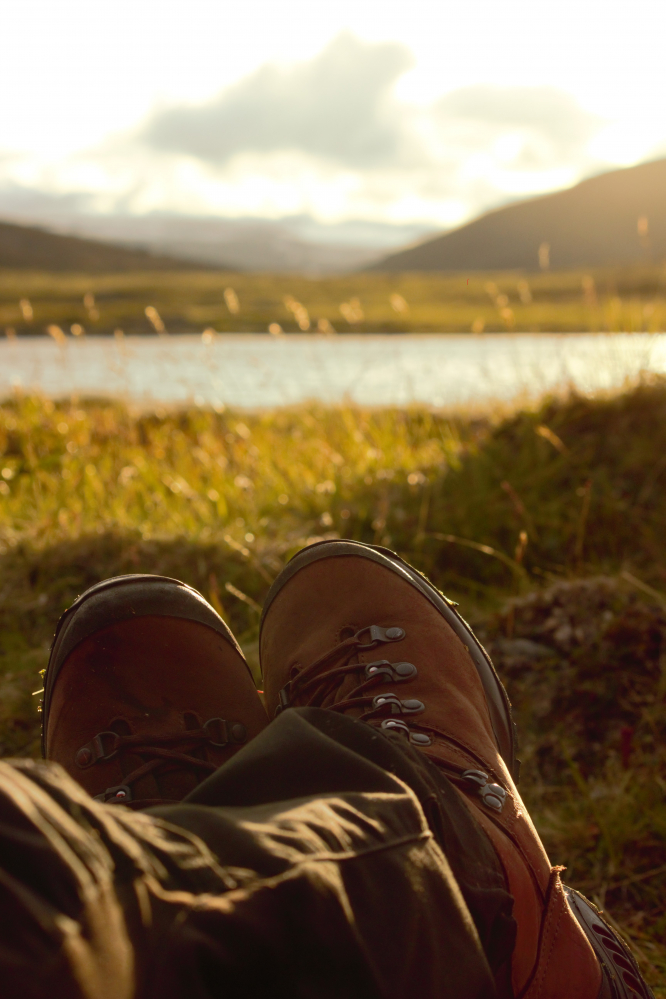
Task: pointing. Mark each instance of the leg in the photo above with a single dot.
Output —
(341, 890)
(303, 866)
(308, 752)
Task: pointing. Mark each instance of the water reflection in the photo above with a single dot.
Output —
(255, 370)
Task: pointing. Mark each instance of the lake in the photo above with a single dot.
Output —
(256, 370)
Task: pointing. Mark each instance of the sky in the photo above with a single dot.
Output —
(425, 111)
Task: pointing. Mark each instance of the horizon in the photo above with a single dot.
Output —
(52, 218)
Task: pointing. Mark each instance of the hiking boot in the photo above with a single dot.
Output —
(355, 629)
(146, 692)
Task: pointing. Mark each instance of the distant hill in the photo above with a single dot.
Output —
(25, 246)
(295, 244)
(228, 244)
(591, 225)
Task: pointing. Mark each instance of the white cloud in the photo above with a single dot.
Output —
(542, 109)
(329, 136)
(337, 106)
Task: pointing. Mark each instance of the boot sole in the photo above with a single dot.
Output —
(497, 699)
(122, 598)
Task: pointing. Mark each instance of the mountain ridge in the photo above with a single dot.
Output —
(594, 223)
(297, 244)
(34, 248)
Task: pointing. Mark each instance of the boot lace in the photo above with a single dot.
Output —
(158, 753)
(316, 683)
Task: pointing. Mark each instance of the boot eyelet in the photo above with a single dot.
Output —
(391, 724)
(391, 672)
(387, 700)
(103, 746)
(405, 671)
(477, 777)
(221, 732)
(379, 634)
(411, 706)
(83, 758)
(492, 795)
(416, 738)
(119, 795)
(217, 731)
(380, 667)
(420, 739)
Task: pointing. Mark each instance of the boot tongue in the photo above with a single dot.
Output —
(347, 684)
(120, 726)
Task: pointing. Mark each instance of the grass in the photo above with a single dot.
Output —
(548, 525)
(610, 299)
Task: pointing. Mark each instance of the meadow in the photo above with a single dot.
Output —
(547, 525)
(610, 299)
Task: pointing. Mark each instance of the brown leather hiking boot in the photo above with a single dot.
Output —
(146, 692)
(353, 628)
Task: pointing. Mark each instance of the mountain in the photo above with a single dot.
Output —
(616, 218)
(33, 248)
(232, 244)
(296, 244)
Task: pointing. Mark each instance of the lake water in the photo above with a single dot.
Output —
(255, 370)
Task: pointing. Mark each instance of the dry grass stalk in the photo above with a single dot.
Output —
(550, 436)
(612, 299)
(57, 333)
(325, 326)
(26, 310)
(231, 301)
(398, 303)
(154, 318)
(524, 292)
(352, 311)
(299, 312)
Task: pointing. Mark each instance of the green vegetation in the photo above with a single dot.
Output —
(549, 526)
(608, 299)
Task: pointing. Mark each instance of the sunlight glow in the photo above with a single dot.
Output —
(78, 119)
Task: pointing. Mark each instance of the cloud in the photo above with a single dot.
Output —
(307, 126)
(547, 125)
(338, 107)
(329, 138)
(24, 201)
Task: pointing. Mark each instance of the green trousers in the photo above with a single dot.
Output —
(324, 861)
